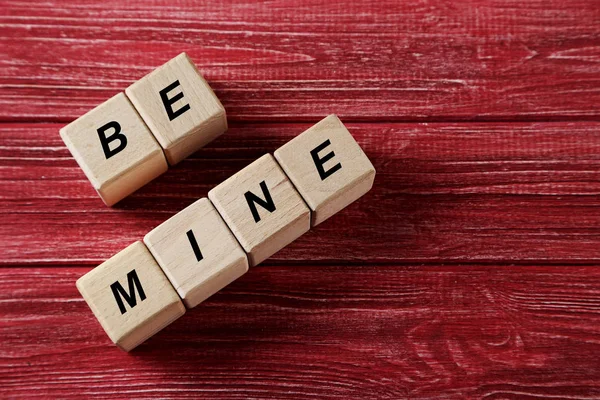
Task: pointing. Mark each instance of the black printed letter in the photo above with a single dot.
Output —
(194, 244)
(117, 135)
(118, 291)
(267, 203)
(168, 102)
(320, 161)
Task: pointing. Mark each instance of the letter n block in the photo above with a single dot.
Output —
(327, 166)
(130, 296)
(180, 108)
(197, 252)
(262, 208)
(115, 149)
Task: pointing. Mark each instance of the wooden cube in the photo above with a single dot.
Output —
(115, 149)
(262, 208)
(180, 108)
(130, 296)
(327, 167)
(197, 252)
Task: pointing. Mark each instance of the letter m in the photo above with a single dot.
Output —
(134, 283)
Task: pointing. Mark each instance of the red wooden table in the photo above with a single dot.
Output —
(470, 270)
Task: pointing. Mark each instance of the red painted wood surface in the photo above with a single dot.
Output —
(471, 270)
(333, 332)
(485, 192)
(289, 60)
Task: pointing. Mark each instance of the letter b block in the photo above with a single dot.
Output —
(262, 208)
(130, 296)
(179, 107)
(115, 149)
(327, 166)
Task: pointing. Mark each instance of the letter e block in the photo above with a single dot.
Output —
(262, 208)
(180, 108)
(115, 149)
(327, 166)
(197, 252)
(130, 296)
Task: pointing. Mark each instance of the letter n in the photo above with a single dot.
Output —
(253, 200)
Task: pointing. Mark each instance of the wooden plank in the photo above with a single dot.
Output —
(486, 192)
(334, 332)
(289, 60)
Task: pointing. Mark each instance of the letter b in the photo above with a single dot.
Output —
(106, 140)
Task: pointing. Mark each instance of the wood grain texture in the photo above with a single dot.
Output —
(197, 272)
(144, 302)
(408, 293)
(444, 192)
(98, 143)
(336, 332)
(284, 219)
(327, 167)
(373, 60)
(190, 122)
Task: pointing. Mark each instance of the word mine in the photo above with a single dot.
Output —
(245, 220)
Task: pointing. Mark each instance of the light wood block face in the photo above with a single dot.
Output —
(262, 208)
(130, 296)
(197, 252)
(327, 167)
(115, 149)
(180, 108)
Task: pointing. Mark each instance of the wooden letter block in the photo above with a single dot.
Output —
(197, 252)
(115, 149)
(130, 296)
(262, 208)
(180, 108)
(327, 166)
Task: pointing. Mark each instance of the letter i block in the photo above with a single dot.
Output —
(327, 167)
(262, 208)
(130, 296)
(115, 149)
(197, 252)
(179, 107)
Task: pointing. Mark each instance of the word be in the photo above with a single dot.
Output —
(127, 141)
